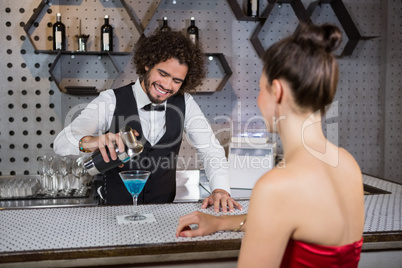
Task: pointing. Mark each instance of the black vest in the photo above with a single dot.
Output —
(160, 159)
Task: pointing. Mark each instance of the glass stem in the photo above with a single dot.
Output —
(135, 198)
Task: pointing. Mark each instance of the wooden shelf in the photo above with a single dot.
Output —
(89, 81)
(97, 53)
(222, 71)
(56, 72)
(240, 15)
(96, 73)
(303, 15)
(299, 10)
(345, 20)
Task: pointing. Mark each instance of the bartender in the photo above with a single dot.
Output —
(159, 108)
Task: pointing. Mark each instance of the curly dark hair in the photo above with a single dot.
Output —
(164, 45)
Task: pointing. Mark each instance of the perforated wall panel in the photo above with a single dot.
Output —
(359, 98)
(365, 118)
(392, 83)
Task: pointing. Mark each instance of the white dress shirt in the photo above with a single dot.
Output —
(97, 117)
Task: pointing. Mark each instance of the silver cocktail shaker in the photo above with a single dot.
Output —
(95, 163)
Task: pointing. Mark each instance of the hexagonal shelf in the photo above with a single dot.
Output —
(131, 30)
(218, 68)
(240, 15)
(218, 74)
(98, 76)
(298, 8)
(304, 15)
(345, 20)
(71, 71)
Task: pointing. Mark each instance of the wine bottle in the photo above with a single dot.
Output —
(59, 34)
(165, 27)
(106, 36)
(253, 8)
(192, 31)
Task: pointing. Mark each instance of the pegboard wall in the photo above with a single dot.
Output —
(366, 112)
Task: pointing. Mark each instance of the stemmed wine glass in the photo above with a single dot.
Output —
(42, 170)
(79, 172)
(52, 175)
(64, 168)
(135, 180)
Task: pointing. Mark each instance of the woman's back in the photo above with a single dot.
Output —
(307, 204)
(329, 199)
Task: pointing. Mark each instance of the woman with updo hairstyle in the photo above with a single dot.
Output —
(309, 210)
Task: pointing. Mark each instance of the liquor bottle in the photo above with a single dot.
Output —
(253, 8)
(106, 36)
(59, 34)
(165, 27)
(192, 31)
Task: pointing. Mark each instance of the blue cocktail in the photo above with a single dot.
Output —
(135, 180)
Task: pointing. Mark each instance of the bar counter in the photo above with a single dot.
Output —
(92, 236)
(85, 234)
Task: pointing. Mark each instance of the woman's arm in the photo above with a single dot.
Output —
(270, 222)
(272, 218)
(208, 224)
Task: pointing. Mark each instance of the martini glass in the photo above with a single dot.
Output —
(135, 180)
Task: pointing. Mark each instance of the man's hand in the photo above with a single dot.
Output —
(221, 197)
(108, 140)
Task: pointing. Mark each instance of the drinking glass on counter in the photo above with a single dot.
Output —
(18, 186)
(42, 169)
(47, 172)
(51, 173)
(62, 176)
(6, 188)
(64, 169)
(80, 175)
(135, 180)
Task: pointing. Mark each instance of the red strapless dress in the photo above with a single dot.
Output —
(300, 254)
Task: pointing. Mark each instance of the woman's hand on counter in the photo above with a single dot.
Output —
(207, 224)
(221, 198)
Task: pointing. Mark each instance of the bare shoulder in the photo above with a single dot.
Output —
(274, 176)
(348, 164)
(277, 183)
(275, 193)
(346, 156)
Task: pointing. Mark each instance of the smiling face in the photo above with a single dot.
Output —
(164, 80)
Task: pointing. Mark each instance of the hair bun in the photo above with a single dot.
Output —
(326, 36)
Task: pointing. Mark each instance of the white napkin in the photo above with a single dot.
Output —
(149, 218)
